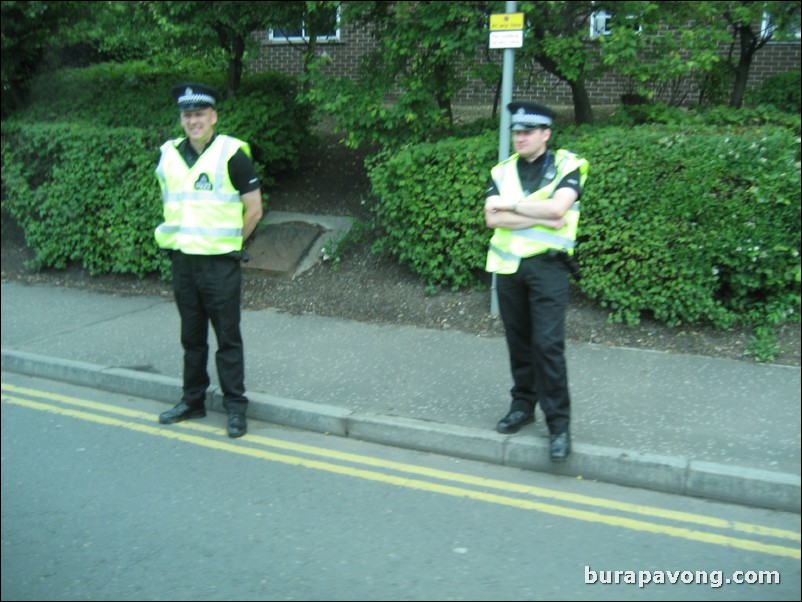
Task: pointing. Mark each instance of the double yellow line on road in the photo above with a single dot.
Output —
(257, 446)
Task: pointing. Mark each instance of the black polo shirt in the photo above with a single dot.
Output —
(534, 176)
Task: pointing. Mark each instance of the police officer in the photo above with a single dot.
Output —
(212, 203)
(532, 205)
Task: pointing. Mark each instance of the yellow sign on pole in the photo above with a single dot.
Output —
(506, 22)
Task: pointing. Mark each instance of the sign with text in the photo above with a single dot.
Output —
(506, 22)
(507, 39)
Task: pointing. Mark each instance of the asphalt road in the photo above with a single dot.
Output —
(100, 502)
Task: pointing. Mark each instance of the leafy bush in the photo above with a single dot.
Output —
(628, 115)
(759, 116)
(263, 113)
(83, 189)
(715, 85)
(365, 118)
(781, 90)
(696, 225)
(108, 93)
(78, 199)
(429, 200)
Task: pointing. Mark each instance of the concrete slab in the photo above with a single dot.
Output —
(279, 249)
(291, 243)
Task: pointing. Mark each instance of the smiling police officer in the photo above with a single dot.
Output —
(532, 205)
(212, 204)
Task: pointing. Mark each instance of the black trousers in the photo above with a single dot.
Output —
(208, 288)
(532, 303)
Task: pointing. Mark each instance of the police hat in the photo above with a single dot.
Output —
(526, 115)
(192, 96)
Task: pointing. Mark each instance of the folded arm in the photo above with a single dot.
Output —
(527, 212)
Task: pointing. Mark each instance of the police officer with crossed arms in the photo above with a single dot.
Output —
(532, 206)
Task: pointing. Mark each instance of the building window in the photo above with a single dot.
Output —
(602, 23)
(768, 27)
(328, 30)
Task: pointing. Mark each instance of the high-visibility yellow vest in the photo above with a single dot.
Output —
(203, 212)
(507, 247)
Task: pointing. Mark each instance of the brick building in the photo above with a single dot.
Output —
(346, 46)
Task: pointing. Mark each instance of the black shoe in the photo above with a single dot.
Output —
(512, 422)
(181, 412)
(560, 447)
(237, 425)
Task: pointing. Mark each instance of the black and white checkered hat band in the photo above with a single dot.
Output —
(195, 99)
(531, 120)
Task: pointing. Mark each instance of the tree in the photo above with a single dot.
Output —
(556, 39)
(753, 25)
(404, 89)
(229, 23)
(28, 30)
(312, 18)
(425, 47)
(112, 31)
(652, 44)
(656, 45)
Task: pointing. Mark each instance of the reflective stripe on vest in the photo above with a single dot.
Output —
(203, 212)
(507, 247)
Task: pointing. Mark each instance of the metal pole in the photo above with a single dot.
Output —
(504, 129)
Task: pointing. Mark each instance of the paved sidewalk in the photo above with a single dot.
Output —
(685, 424)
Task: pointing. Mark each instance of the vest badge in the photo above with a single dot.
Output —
(203, 183)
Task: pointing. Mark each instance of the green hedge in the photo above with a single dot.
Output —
(79, 199)
(697, 225)
(110, 94)
(781, 90)
(78, 164)
(263, 112)
(429, 204)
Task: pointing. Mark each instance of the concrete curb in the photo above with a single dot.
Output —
(682, 476)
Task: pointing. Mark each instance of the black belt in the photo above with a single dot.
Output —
(235, 255)
(554, 255)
